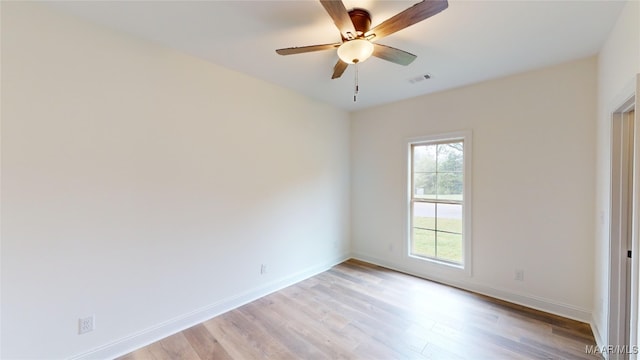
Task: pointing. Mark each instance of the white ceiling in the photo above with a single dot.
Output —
(469, 42)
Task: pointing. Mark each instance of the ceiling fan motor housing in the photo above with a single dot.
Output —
(361, 21)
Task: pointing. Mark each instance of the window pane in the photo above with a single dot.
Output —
(424, 185)
(450, 247)
(424, 158)
(449, 218)
(450, 157)
(424, 243)
(450, 186)
(424, 215)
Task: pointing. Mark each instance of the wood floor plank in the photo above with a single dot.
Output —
(173, 347)
(140, 354)
(237, 342)
(245, 338)
(204, 344)
(315, 323)
(311, 331)
(358, 310)
(283, 330)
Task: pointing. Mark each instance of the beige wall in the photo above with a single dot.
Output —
(618, 66)
(147, 187)
(533, 180)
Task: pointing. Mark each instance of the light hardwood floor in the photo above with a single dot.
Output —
(360, 311)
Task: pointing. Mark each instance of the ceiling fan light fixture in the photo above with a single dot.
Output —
(355, 51)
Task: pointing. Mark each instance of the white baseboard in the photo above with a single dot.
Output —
(152, 334)
(535, 302)
(598, 336)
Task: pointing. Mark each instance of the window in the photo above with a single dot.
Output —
(438, 204)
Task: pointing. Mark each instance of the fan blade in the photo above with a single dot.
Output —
(408, 17)
(392, 54)
(340, 17)
(339, 69)
(304, 49)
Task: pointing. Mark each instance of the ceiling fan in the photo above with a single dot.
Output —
(358, 44)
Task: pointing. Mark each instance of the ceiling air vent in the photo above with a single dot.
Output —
(417, 79)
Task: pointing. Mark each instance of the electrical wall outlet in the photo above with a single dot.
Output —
(263, 269)
(87, 324)
(519, 275)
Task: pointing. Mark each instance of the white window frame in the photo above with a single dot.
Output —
(466, 138)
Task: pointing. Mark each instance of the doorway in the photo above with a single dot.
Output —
(623, 245)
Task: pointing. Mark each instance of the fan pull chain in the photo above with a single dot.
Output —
(356, 89)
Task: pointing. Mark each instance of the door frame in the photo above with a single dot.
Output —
(624, 207)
